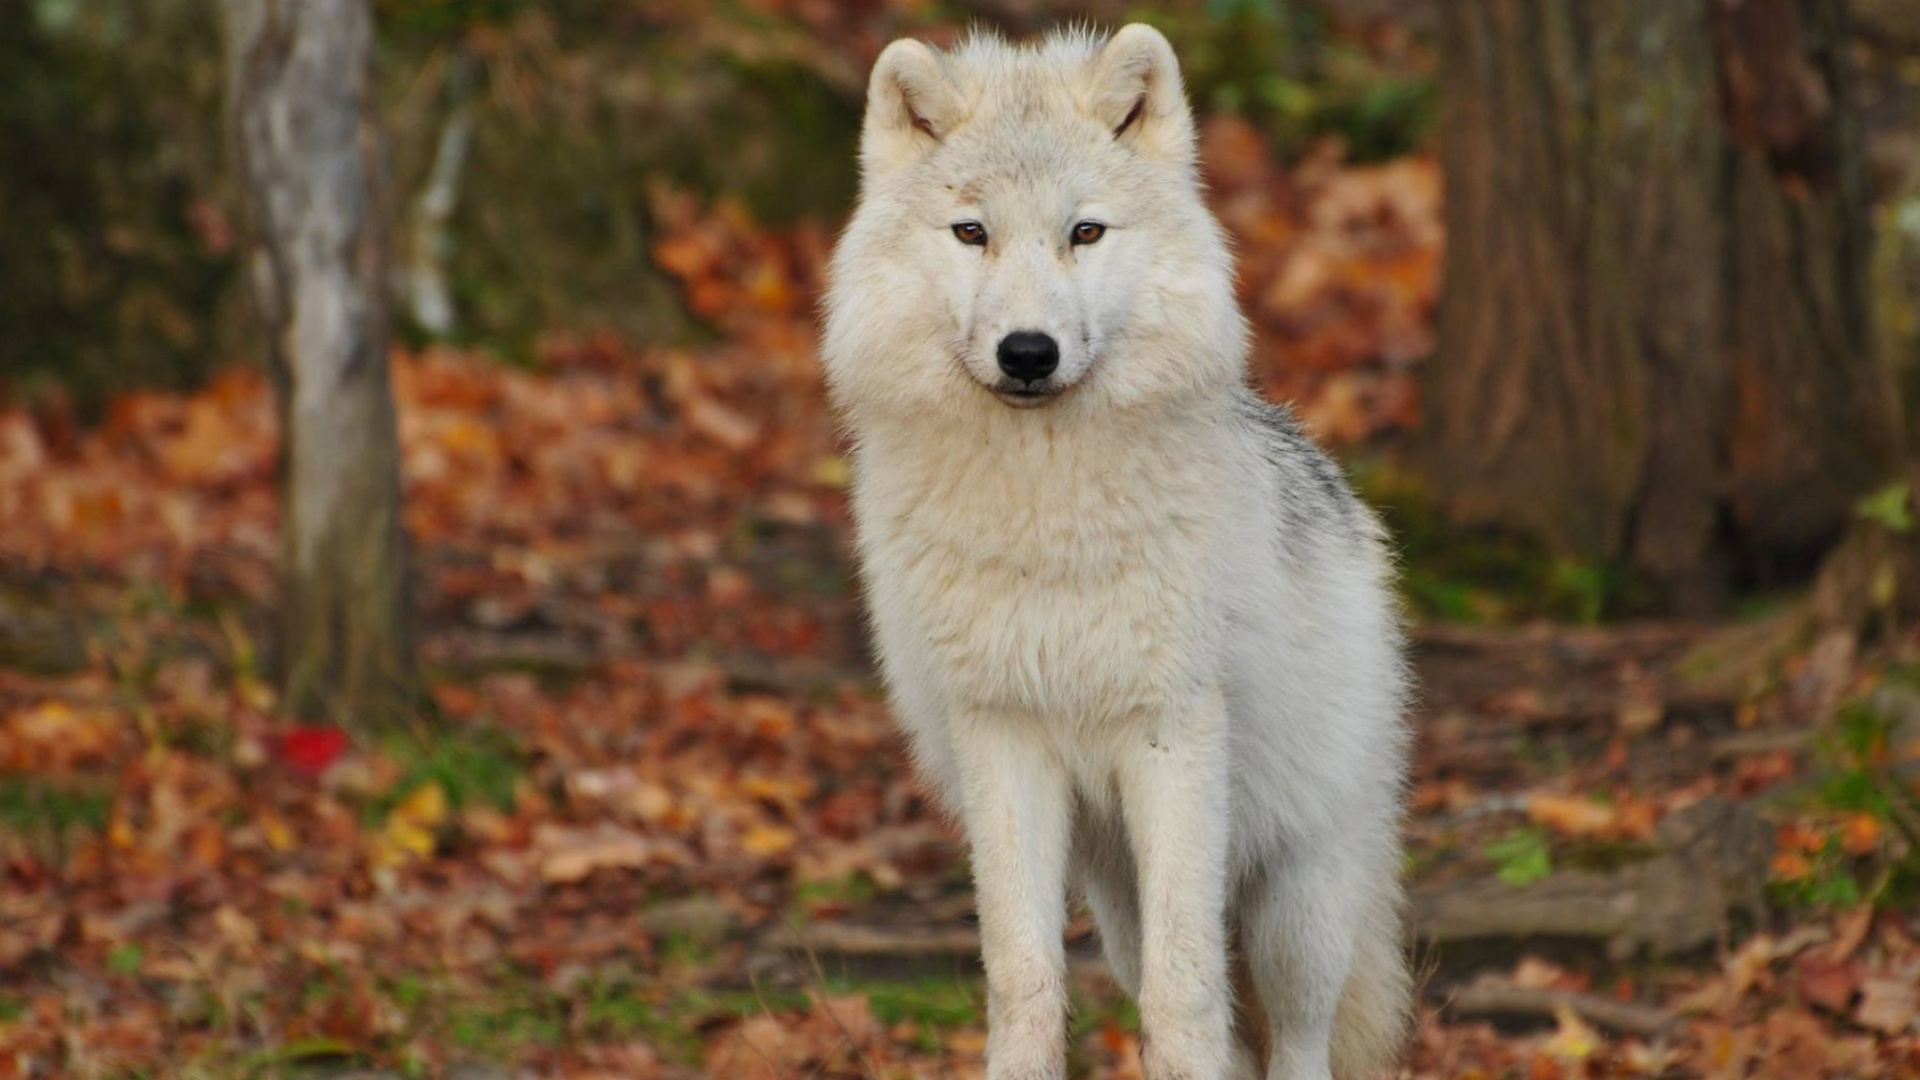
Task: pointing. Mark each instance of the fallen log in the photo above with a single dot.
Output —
(1710, 869)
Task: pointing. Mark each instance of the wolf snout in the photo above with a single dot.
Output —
(1028, 355)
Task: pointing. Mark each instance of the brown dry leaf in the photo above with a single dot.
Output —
(211, 449)
(771, 718)
(759, 1048)
(1849, 931)
(1827, 984)
(1747, 967)
(1888, 1004)
(768, 840)
(728, 427)
(1534, 973)
(1643, 1060)
(568, 854)
(1639, 712)
(789, 792)
(1797, 1044)
(649, 802)
(728, 586)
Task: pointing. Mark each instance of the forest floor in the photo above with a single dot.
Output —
(662, 826)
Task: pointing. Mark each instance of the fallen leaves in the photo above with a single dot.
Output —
(836, 1036)
(1340, 270)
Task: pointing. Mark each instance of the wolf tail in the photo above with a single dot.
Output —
(1375, 1010)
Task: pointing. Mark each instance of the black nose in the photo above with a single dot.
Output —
(1029, 355)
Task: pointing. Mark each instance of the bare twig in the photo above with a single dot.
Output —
(817, 976)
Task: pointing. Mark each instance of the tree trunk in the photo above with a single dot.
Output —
(1655, 344)
(300, 86)
(429, 292)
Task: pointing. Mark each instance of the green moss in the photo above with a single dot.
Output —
(1450, 573)
(1606, 856)
(1279, 65)
(107, 279)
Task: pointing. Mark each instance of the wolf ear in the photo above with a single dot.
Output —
(1136, 92)
(911, 105)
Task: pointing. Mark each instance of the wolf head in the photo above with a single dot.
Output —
(1030, 234)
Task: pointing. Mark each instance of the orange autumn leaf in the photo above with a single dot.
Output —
(1860, 835)
(1791, 866)
(1571, 815)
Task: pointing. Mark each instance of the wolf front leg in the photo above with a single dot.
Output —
(1017, 811)
(1174, 793)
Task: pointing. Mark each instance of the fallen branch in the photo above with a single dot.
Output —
(854, 940)
(1491, 998)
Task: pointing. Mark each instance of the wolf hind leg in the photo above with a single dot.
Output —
(1252, 1039)
(1321, 938)
(1110, 883)
(1109, 880)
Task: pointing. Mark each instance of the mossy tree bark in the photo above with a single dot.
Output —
(1655, 344)
(300, 92)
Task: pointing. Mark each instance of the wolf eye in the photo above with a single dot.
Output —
(1088, 232)
(970, 232)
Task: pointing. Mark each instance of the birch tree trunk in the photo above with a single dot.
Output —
(300, 95)
(1655, 343)
(428, 290)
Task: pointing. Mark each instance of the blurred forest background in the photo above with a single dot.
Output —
(427, 645)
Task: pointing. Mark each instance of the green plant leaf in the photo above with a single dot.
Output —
(1891, 506)
(1521, 857)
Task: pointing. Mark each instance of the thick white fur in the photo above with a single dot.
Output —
(1140, 637)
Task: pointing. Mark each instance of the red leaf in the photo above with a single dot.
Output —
(309, 750)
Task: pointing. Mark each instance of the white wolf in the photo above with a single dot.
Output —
(1138, 630)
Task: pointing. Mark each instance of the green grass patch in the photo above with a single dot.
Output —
(478, 766)
(682, 951)
(46, 812)
(934, 1002)
(850, 891)
(126, 959)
